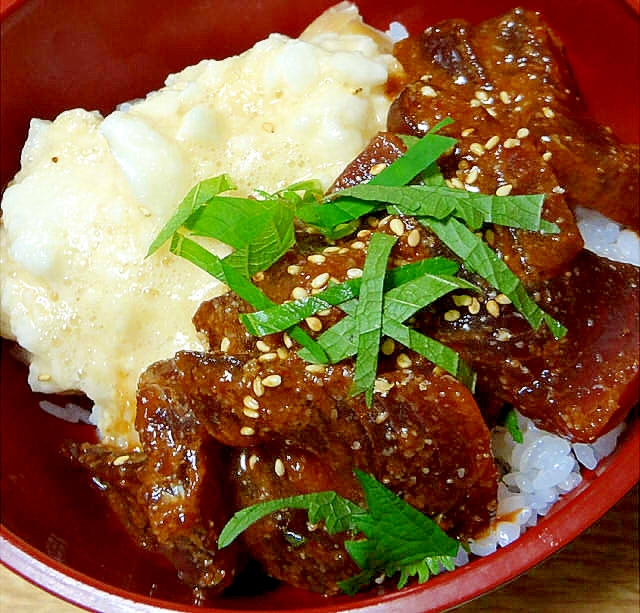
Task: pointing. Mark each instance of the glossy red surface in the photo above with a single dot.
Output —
(58, 54)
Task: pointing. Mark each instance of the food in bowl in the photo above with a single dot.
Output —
(168, 410)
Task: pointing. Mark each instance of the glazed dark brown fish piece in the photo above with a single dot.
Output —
(494, 154)
(513, 68)
(169, 496)
(423, 435)
(181, 487)
(524, 58)
(580, 386)
(285, 544)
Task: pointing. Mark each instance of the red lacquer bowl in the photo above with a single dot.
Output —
(58, 54)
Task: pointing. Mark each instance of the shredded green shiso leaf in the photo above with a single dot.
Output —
(399, 539)
(261, 230)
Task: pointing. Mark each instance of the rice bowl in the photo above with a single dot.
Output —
(584, 490)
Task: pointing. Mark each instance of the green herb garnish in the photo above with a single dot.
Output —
(511, 424)
(399, 539)
(368, 315)
(262, 230)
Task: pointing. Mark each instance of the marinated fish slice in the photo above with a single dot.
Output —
(492, 155)
(580, 386)
(524, 59)
(287, 546)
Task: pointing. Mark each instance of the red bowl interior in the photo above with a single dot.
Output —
(58, 54)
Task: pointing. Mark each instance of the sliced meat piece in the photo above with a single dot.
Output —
(594, 168)
(181, 487)
(513, 68)
(523, 58)
(171, 495)
(286, 545)
(423, 436)
(579, 387)
(492, 155)
(117, 474)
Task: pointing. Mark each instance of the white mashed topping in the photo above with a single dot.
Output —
(93, 192)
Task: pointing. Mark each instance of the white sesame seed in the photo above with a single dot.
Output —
(293, 269)
(403, 361)
(510, 143)
(272, 381)
(481, 95)
(331, 249)
(316, 369)
(251, 413)
(476, 149)
(376, 169)
(278, 467)
(428, 91)
(259, 276)
(317, 258)
(502, 334)
(396, 226)
(467, 132)
(474, 307)
(258, 388)
(505, 97)
(247, 431)
(314, 323)
(364, 234)
(288, 342)
(253, 459)
(250, 402)
(548, 112)
(475, 103)
(522, 133)
(503, 299)
(358, 245)
(298, 293)
(493, 308)
(472, 176)
(546, 156)
(268, 357)
(225, 343)
(455, 182)
(354, 273)
(324, 313)
(382, 417)
(491, 142)
(413, 239)
(463, 300)
(504, 190)
(282, 353)
(262, 346)
(120, 460)
(320, 281)
(452, 315)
